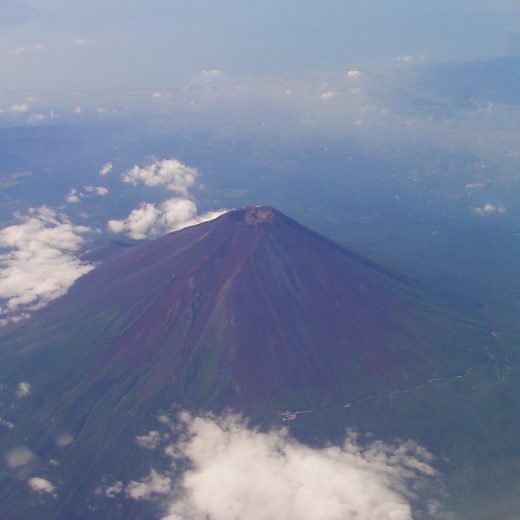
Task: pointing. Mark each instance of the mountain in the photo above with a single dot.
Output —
(250, 311)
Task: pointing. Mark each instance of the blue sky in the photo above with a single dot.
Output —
(162, 44)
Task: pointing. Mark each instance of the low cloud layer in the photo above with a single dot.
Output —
(236, 472)
(171, 173)
(39, 264)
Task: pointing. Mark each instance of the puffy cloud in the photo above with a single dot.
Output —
(23, 389)
(41, 485)
(105, 169)
(18, 457)
(488, 209)
(171, 173)
(39, 265)
(76, 110)
(73, 197)
(150, 440)
(233, 471)
(150, 220)
(154, 484)
(96, 190)
(156, 95)
(18, 108)
(353, 74)
(237, 472)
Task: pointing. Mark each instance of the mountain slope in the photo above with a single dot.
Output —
(253, 307)
(250, 311)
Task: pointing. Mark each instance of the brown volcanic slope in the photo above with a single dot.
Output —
(250, 309)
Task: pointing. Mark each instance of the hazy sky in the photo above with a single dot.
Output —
(77, 44)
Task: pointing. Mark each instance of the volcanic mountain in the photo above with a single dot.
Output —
(250, 311)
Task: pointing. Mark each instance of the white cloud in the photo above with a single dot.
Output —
(404, 59)
(18, 108)
(171, 173)
(39, 265)
(76, 110)
(353, 74)
(328, 95)
(154, 484)
(18, 457)
(41, 485)
(96, 190)
(475, 185)
(150, 440)
(156, 95)
(18, 51)
(211, 73)
(151, 221)
(234, 471)
(488, 209)
(6, 424)
(36, 117)
(79, 41)
(105, 169)
(73, 197)
(23, 389)
(64, 439)
(114, 489)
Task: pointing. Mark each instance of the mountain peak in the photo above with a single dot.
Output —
(254, 215)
